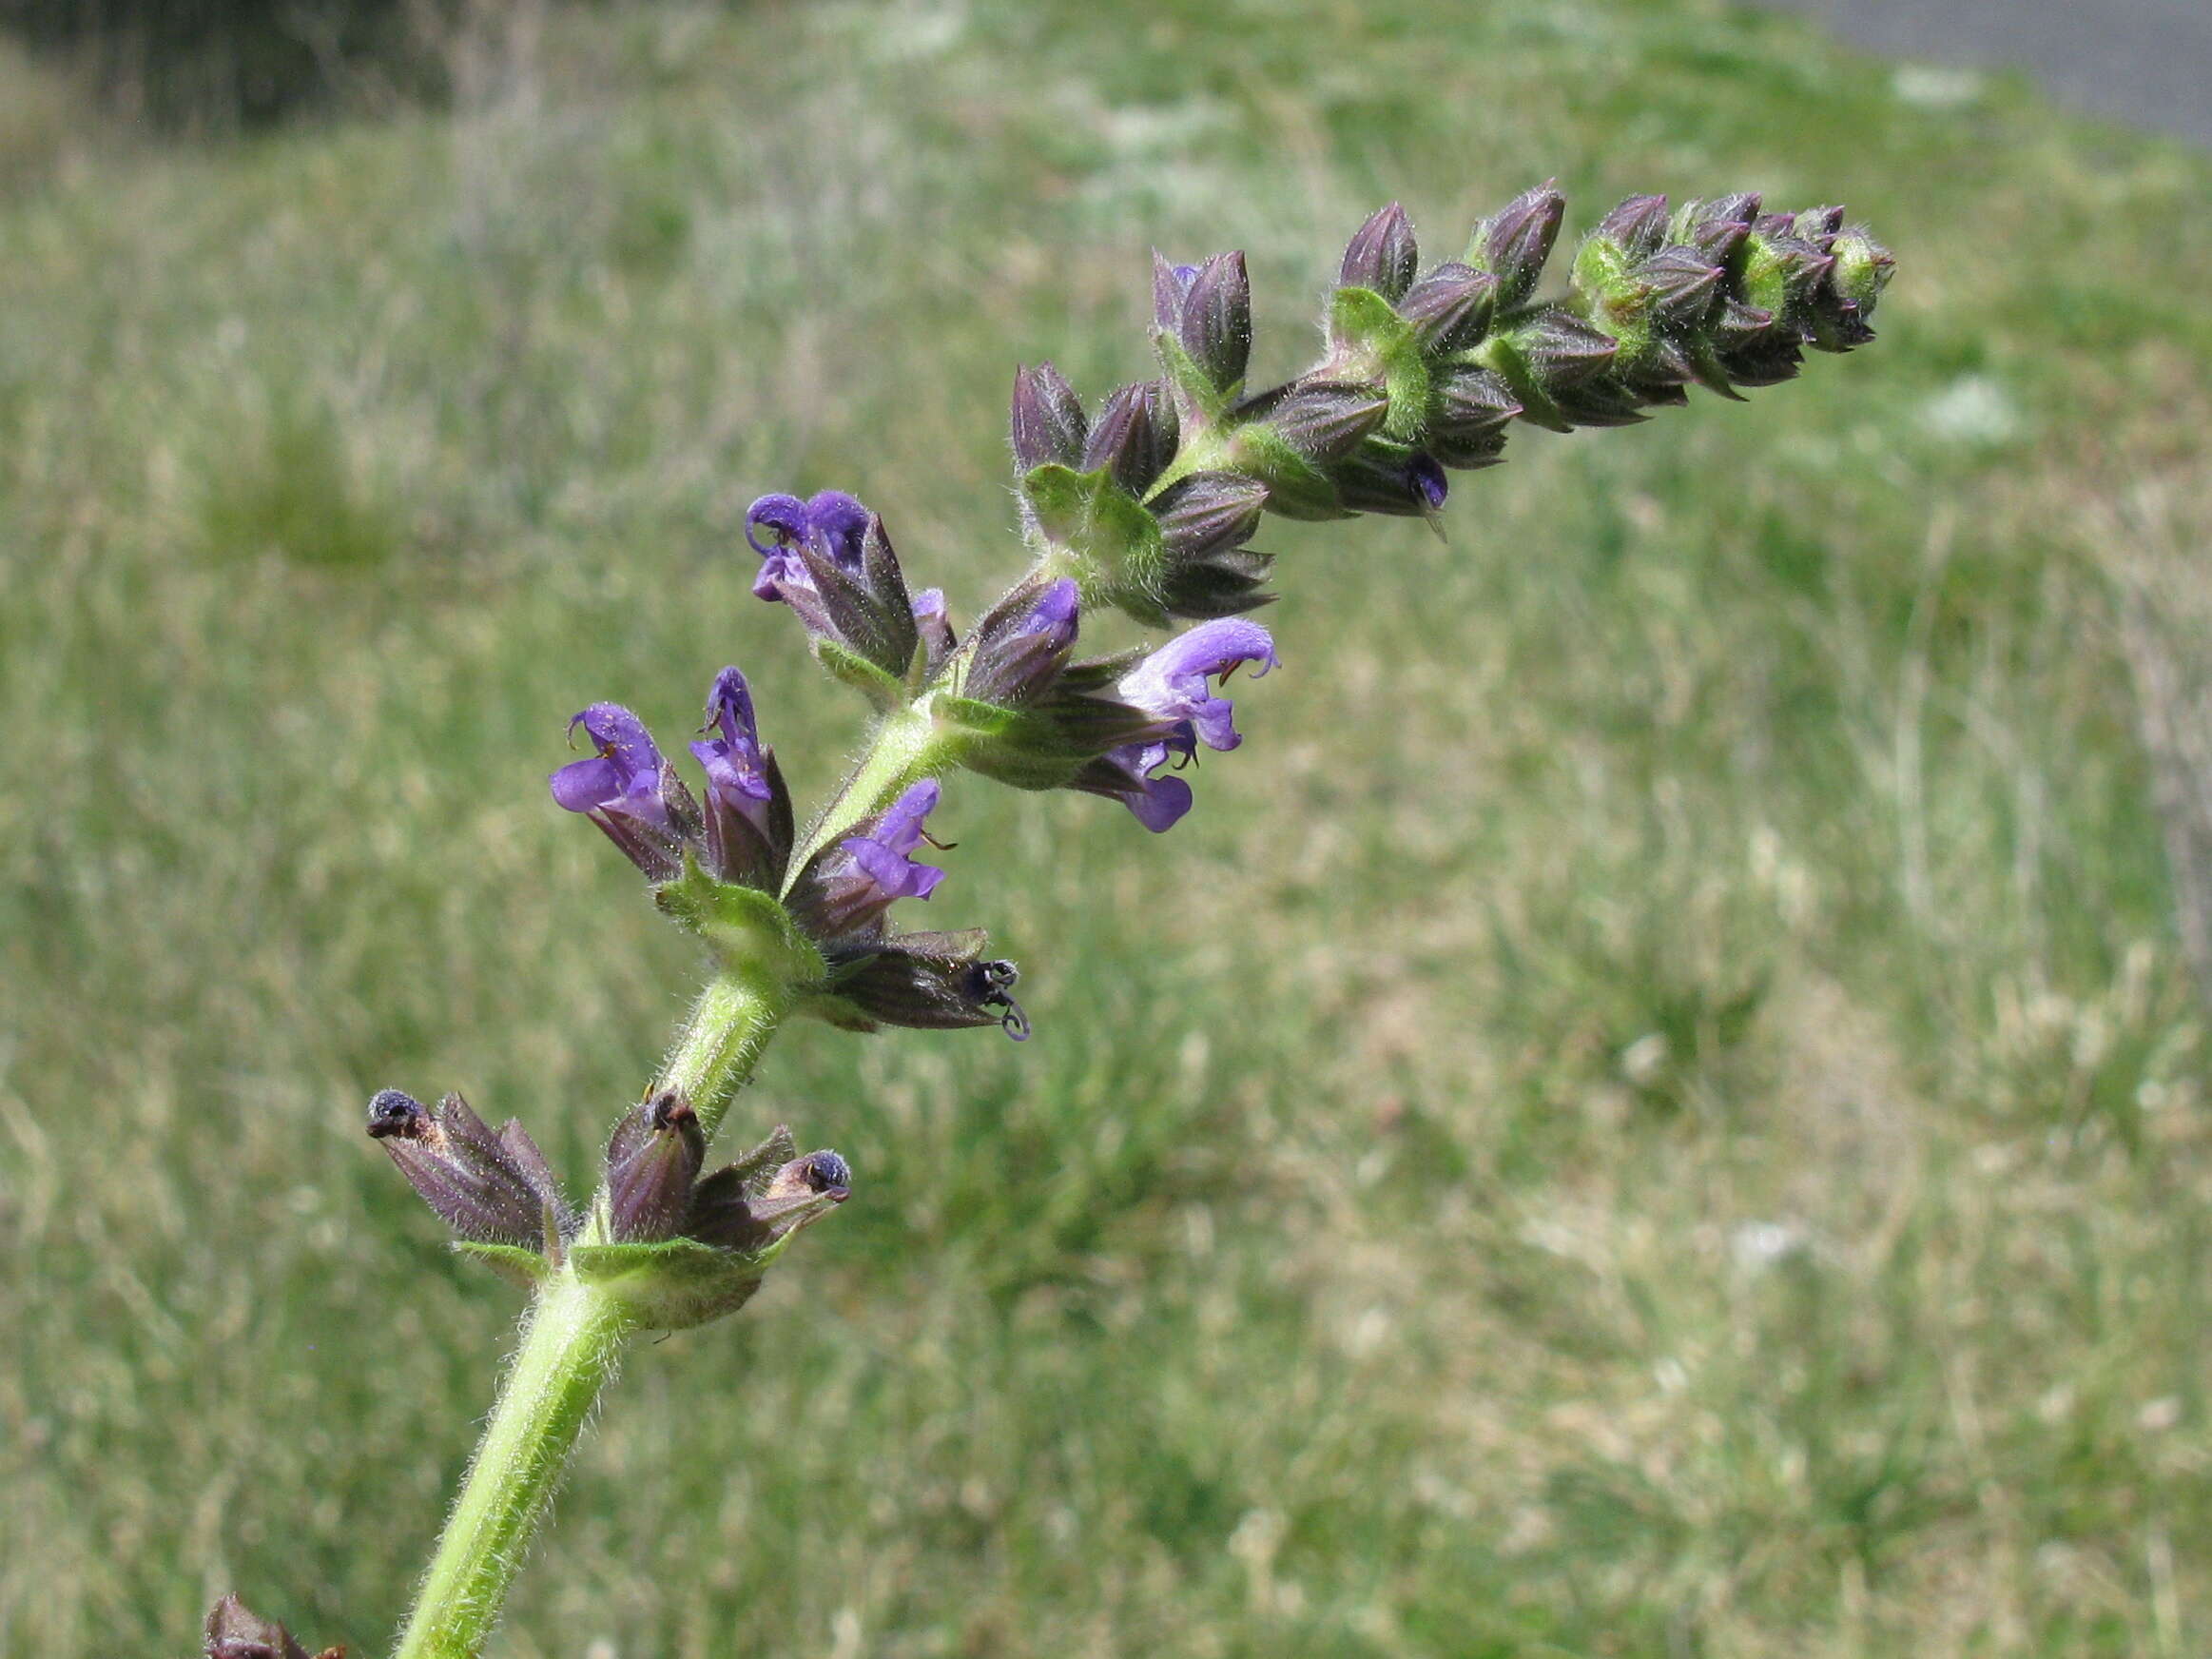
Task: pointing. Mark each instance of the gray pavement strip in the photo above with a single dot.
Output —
(2141, 63)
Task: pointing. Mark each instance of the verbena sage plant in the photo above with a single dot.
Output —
(1147, 504)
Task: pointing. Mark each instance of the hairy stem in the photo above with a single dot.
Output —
(571, 1345)
(902, 751)
(720, 1044)
(571, 1342)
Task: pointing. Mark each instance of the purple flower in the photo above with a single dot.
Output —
(880, 853)
(1429, 480)
(832, 524)
(1023, 644)
(843, 896)
(1173, 681)
(748, 812)
(1174, 684)
(628, 789)
(829, 560)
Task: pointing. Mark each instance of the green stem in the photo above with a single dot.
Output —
(571, 1346)
(720, 1044)
(904, 750)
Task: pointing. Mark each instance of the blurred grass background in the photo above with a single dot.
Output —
(1658, 1106)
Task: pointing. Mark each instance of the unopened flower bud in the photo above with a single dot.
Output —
(1514, 242)
(1021, 644)
(1469, 404)
(1450, 308)
(1389, 478)
(1382, 254)
(1204, 513)
(1322, 419)
(1818, 226)
(1637, 227)
(1598, 404)
(652, 1159)
(1208, 310)
(1677, 286)
(494, 1188)
(1863, 268)
(1048, 424)
(933, 624)
(1561, 349)
(1135, 435)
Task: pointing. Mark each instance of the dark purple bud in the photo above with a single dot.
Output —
(1215, 325)
(1742, 206)
(1135, 435)
(1048, 419)
(1717, 240)
(1768, 361)
(653, 1160)
(1450, 308)
(1739, 325)
(1023, 644)
(494, 1188)
(1637, 227)
(1387, 478)
(1679, 287)
(628, 789)
(1514, 242)
(236, 1631)
(749, 809)
(932, 981)
(1561, 349)
(1203, 514)
(1322, 419)
(1604, 403)
(1382, 255)
(1471, 404)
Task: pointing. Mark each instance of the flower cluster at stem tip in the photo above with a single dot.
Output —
(1146, 503)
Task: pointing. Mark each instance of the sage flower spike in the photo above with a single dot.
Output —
(628, 789)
